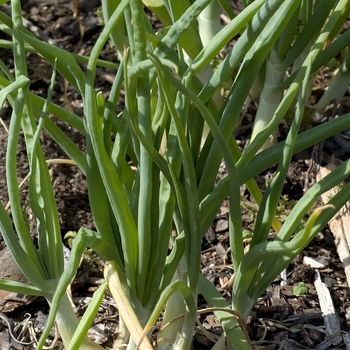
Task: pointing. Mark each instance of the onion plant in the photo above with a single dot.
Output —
(289, 52)
(144, 197)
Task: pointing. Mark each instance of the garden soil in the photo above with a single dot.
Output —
(280, 320)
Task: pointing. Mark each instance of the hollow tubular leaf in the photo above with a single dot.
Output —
(240, 89)
(101, 169)
(87, 319)
(245, 297)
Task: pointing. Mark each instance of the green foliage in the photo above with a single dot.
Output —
(154, 182)
(99, 15)
(300, 289)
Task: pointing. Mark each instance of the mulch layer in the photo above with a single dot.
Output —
(280, 320)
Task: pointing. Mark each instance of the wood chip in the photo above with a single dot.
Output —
(210, 235)
(221, 225)
(346, 339)
(10, 301)
(318, 263)
(330, 316)
(339, 225)
(221, 252)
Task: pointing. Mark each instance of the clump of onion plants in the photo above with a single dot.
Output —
(150, 172)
